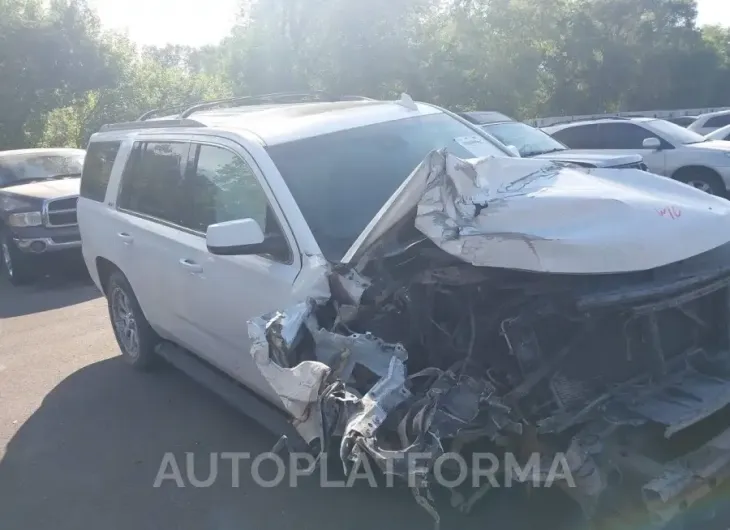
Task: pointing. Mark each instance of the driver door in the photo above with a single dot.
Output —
(219, 294)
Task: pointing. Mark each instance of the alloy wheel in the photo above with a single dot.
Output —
(125, 323)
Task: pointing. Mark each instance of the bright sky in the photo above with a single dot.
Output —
(199, 22)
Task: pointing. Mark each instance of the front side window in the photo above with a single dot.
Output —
(222, 187)
(152, 181)
(623, 136)
(579, 137)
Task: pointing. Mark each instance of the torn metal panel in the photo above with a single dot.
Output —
(511, 213)
(298, 386)
(346, 351)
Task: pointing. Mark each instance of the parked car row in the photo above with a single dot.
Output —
(379, 279)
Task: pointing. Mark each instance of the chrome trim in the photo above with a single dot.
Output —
(45, 213)
(51, 245)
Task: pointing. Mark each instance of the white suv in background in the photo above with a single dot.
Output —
(668, 149)
(710, 121)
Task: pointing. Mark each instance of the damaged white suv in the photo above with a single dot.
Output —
(394, 283)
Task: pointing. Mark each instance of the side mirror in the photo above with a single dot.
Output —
(651, 143)
(243, 237)
(234, 237)
(514, 151)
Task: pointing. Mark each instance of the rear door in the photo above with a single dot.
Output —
(148, 221)
(219, 294)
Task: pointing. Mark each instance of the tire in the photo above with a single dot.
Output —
(18, 268)
(703, 179)
(136, 338)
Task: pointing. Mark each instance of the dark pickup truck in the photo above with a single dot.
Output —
(39, 189)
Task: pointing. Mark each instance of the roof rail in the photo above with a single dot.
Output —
(277, 97)
(151, 124)
(598, 118)
(147, 115)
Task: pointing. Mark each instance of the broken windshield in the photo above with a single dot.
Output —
(341, 180)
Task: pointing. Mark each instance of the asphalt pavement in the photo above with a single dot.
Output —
(82, 440)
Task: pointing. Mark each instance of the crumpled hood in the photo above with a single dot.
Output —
(48, 189)
(537, 215)
(594, 159)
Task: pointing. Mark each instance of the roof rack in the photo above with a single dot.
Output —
(281, 97)
(183, 120)
(153, 124)
(277, 97)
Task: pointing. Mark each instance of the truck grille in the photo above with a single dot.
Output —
(61, 212)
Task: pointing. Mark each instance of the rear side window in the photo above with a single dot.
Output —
(579, 137)
(718, 121)
(152, 182)
(100, 157)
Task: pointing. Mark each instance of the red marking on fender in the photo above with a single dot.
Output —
(673, 212)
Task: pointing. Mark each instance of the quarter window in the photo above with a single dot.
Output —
(100, 157)
(152, 181)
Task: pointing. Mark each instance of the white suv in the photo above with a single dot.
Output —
(395, 283)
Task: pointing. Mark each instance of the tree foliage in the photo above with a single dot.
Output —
(63, 77)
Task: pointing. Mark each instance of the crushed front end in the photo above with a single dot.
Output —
(419, 352)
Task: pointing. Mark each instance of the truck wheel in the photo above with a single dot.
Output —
(703, 179)
(136, 338)
(17, 266)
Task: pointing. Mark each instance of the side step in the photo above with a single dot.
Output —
(235, 394)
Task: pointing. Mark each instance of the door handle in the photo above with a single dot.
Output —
(128, 239)
(191, 266)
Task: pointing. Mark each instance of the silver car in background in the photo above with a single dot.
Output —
(668, 149)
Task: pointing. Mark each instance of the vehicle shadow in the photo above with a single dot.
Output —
(89, 457)
(54, 291)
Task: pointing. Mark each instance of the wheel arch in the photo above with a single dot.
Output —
(680, 172)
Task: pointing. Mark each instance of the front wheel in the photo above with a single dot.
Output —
(136, 338)
(18, 268)
(703, 179)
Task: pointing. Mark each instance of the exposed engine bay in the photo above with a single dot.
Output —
(417, 350)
